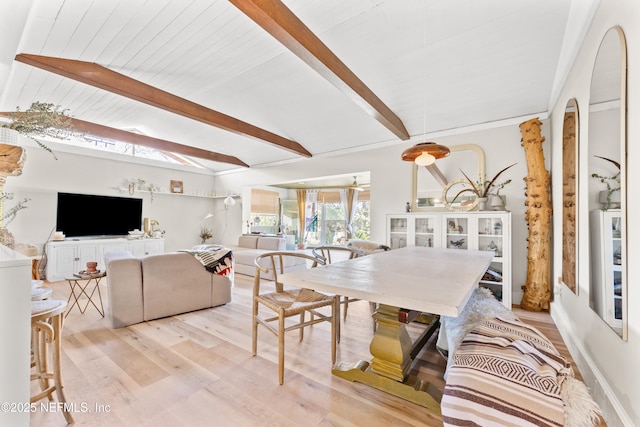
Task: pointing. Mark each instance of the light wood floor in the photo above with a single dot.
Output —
(196, 369)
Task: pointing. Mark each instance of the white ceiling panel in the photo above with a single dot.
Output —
(437, 64)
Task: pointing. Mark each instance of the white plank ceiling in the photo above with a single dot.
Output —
(438, 64)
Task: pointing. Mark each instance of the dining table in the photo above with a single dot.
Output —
(406, 284)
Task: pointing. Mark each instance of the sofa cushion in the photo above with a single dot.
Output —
(272, 243)
(250, 242)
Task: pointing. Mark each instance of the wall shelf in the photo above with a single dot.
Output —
(167, 193)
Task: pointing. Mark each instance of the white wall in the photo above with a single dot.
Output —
(391, 181)
(608, 363)
(43, 177)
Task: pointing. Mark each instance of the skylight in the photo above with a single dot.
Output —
(125, 148)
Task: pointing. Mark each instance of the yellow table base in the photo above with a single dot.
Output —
(393, 353)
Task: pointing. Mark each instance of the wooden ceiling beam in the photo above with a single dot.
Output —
(274, 17)
(151, 142)
(107, 132)
(114, 82)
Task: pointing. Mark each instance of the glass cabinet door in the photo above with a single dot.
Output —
(457, 233)
(398, 232)
(490, 235)
(616, 270)
(423, 231)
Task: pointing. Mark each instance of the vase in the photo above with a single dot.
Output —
(482, 203)
(609, 201)
(496, 203)
(6, 238)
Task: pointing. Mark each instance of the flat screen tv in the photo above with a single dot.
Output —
(86, 215)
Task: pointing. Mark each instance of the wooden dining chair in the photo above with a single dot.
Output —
(286, 303)
(330, 254)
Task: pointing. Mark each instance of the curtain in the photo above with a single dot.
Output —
(265, 202)
(349, 200)
(302, 204)
(311, 211)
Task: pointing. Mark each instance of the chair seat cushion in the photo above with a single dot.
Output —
(295, 301)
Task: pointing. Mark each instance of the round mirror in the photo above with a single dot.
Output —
(607, 171)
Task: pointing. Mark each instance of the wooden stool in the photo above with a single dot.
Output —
(46, 339)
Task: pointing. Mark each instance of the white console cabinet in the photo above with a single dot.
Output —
(71, 256)
(480, 230)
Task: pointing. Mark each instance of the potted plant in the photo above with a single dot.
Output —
(141, 184)
(6, 238)
(41, 119)
(205, 234)
(483, 190)
(609, 198)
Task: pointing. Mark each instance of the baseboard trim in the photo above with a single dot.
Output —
(601, 391)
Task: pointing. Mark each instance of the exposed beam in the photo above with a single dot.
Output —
(104, 78)
(274, 17)
(102, 131)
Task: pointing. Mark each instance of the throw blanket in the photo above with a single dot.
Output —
(215, 258)
(482, 305)
(506, 373)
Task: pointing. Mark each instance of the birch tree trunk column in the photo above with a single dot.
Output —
(537, 293)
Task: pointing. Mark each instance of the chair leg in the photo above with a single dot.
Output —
(254, 341)
(281, 347)
(335, 324)
(302, 321)
(40, 356)
(338, 322)
(57, 328)
(346, 307)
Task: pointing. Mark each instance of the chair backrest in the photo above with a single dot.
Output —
(279, 262)
(340, 253)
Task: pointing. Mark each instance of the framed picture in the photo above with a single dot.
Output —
(176, 186)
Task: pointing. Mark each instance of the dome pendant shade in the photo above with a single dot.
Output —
(425, 153)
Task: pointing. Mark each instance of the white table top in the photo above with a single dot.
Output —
(431, 280)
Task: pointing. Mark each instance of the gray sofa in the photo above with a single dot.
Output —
(250, 246)
(161, 285)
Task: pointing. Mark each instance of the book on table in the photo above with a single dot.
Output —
(85, 275)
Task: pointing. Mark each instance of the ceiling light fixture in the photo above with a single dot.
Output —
(425, 153)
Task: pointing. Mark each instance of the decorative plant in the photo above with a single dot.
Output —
(484, 189)
(205, 234)
(612, 182)
(10, 215)
(141, 184)
(42, 119)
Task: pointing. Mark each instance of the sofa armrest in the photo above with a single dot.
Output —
(124, 286)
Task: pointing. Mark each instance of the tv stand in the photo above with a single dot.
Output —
(66, 257)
